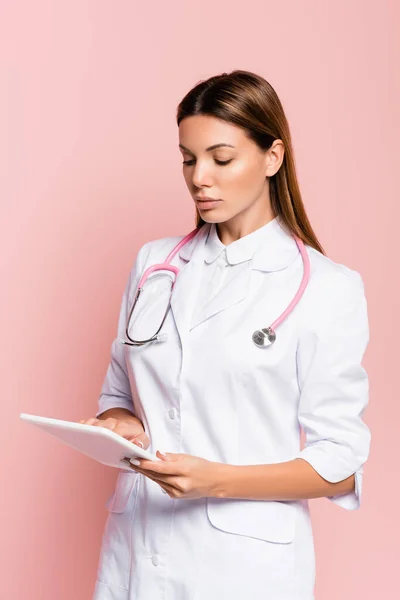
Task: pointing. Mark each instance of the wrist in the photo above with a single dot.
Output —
(221, 477)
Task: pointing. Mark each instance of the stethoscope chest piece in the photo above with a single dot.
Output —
(264, 337)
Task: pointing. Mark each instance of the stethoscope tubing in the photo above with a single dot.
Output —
(263, 337)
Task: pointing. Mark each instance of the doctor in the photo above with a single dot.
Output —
(193, 376)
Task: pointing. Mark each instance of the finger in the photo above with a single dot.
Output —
(159, 477)
(171, 456)
(160, 467)
(106, 423)
(141, 440)
(88, 421)
(168, 487)
(137, 442)
(171, 491)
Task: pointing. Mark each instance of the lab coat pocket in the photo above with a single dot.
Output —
(119, 499)
(271, 521)
(104, 592)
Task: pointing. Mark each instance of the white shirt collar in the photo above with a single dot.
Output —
(270, 248)
(238, 251)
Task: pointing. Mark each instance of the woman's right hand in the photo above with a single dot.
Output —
(129, 427)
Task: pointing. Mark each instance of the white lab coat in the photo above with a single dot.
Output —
(209, 391)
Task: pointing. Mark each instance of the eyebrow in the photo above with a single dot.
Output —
(207, 149)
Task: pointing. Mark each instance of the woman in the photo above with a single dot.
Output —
(224, 512)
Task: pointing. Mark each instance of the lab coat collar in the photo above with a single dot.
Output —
(187, 283)
(270, 248)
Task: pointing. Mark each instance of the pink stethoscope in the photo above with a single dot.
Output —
(262, 337)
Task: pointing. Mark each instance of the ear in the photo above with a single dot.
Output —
(274, 158)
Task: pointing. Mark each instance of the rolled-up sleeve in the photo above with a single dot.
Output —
(116, 390)
(334, 387)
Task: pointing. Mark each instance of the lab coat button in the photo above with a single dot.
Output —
(154, 560)
(172, 413)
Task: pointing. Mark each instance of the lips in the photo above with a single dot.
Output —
(205, 199)
(204, 203)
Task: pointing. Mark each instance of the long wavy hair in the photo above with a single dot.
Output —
(250, 102)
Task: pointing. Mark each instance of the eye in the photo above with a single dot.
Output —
(219, 162)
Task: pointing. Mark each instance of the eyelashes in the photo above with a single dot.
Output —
(219, 162)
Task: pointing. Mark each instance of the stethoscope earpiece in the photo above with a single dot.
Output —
(264, 337)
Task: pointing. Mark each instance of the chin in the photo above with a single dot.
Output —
(209, 219)
(213, 216)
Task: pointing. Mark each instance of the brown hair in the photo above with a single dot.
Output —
(250, 102)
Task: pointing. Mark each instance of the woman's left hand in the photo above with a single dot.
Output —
(183, 475)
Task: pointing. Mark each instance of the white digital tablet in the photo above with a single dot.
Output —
(101, 444)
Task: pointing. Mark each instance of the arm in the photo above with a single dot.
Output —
(333, 397)
(292, 480)
(116, 391)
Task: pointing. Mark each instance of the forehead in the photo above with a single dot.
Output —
(202, 131)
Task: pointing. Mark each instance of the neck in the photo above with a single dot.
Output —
(241, 225)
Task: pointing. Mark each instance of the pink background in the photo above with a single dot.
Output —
(90, 170)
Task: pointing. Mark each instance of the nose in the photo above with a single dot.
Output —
(201, 175)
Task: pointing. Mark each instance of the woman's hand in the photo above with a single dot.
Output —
(129, 427)
(183, 475)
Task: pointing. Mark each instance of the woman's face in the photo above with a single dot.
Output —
(236, 187)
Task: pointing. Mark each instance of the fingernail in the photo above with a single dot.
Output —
(135, 462)
(163, 453)
(139, 443)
